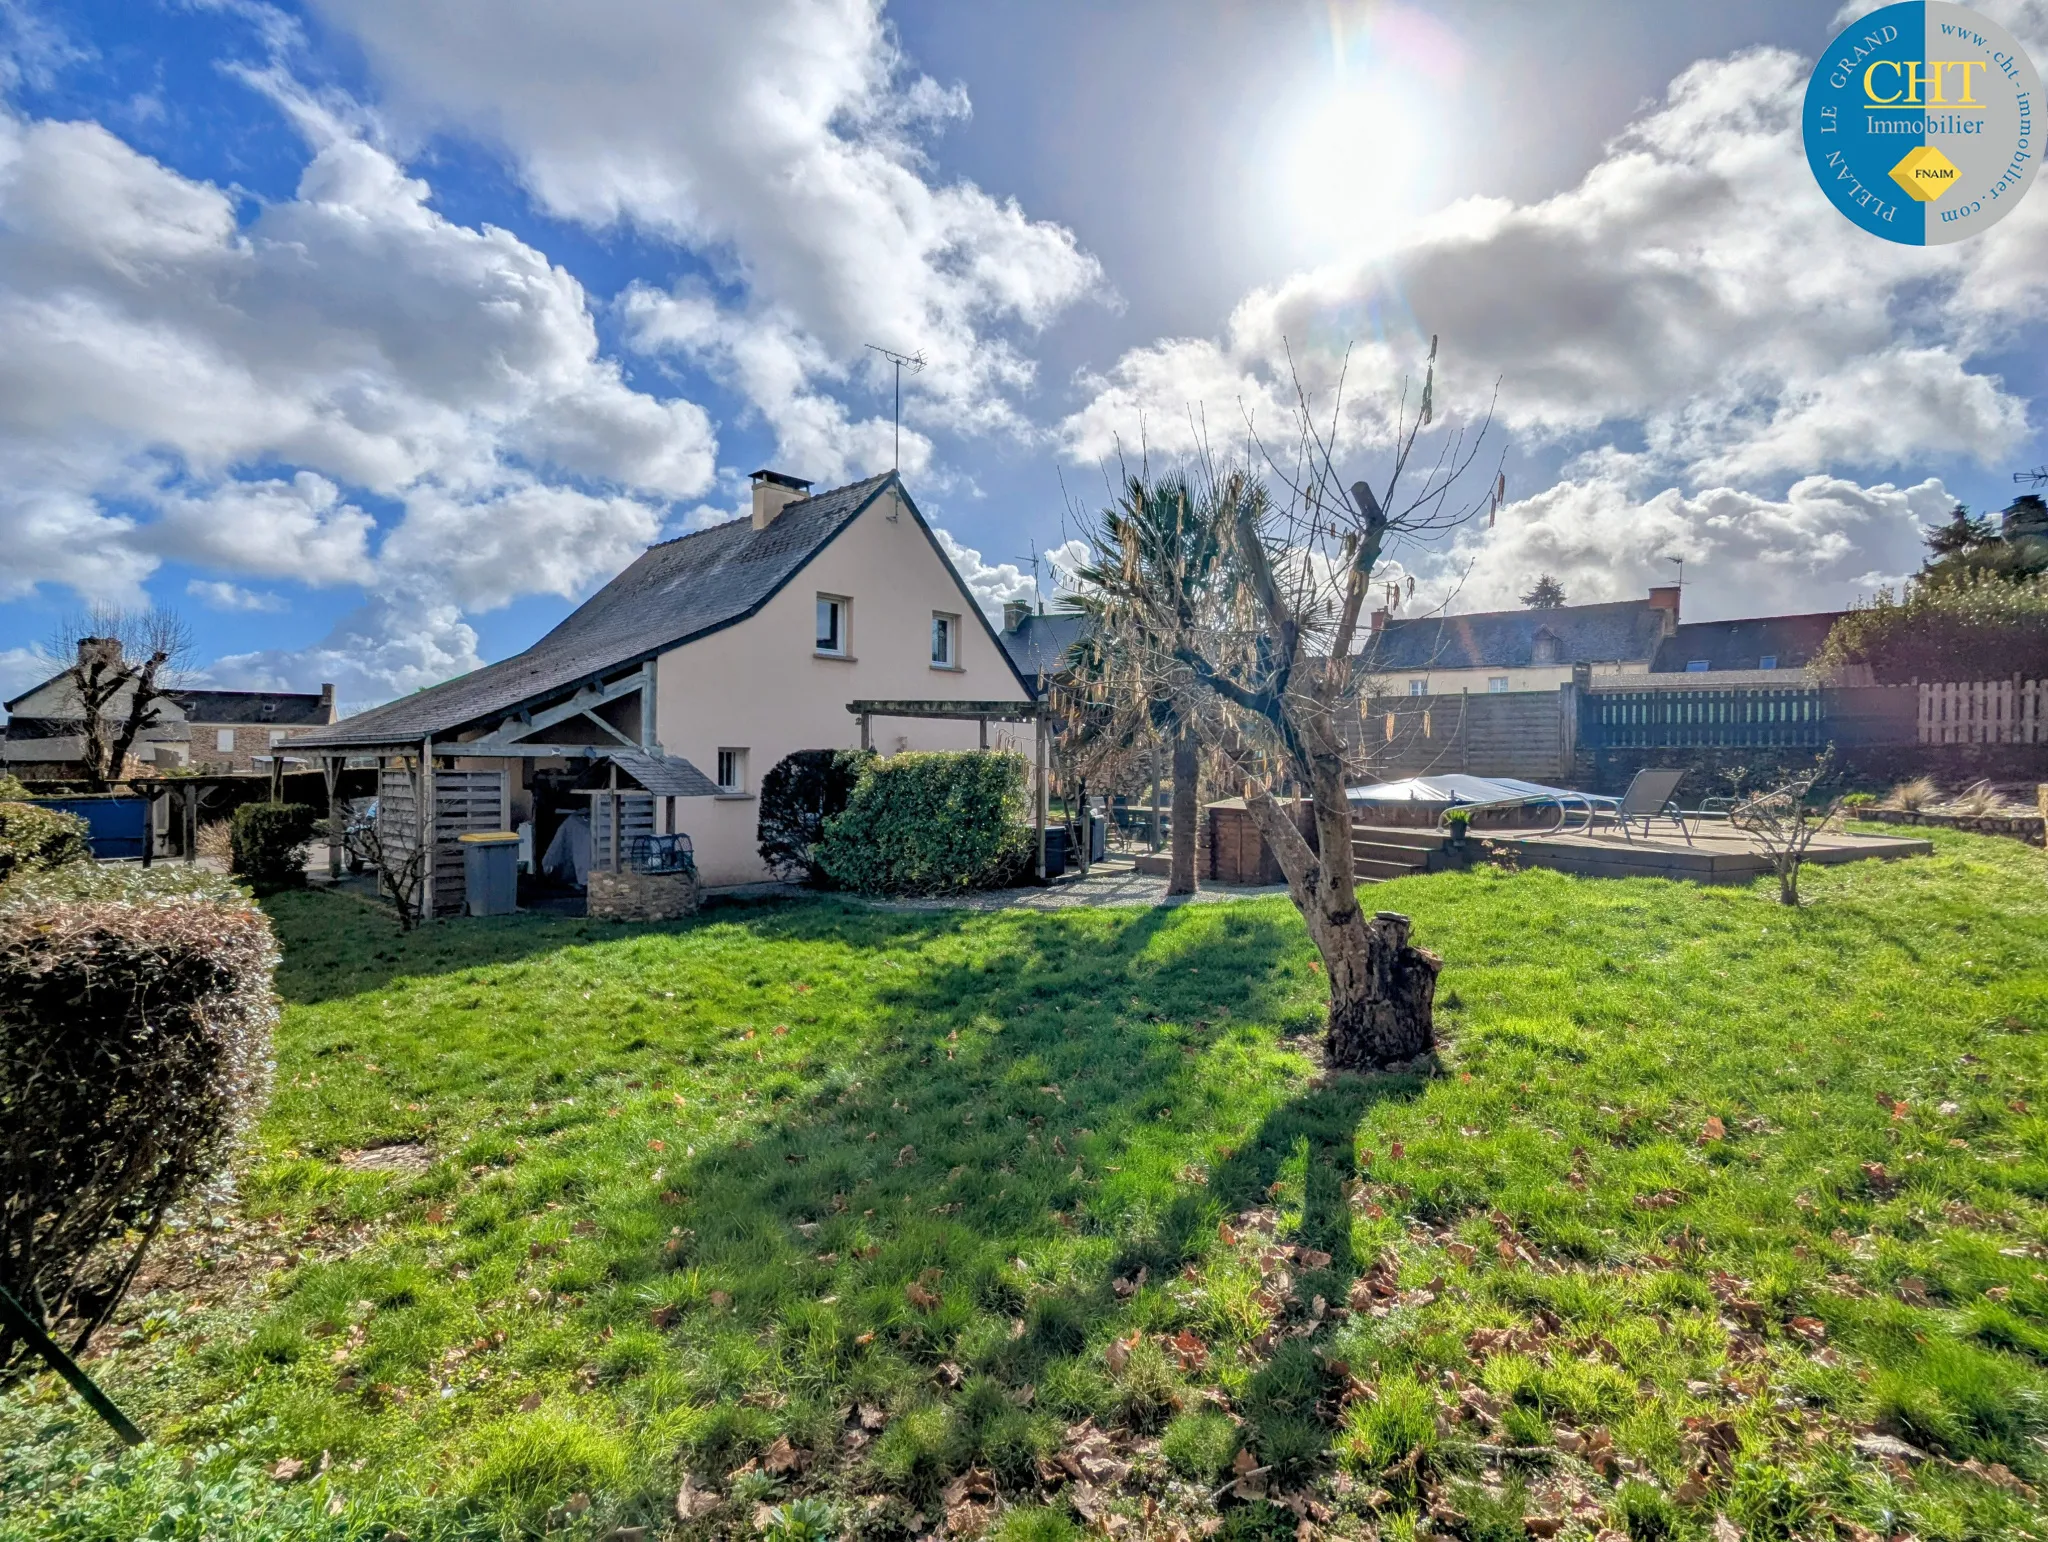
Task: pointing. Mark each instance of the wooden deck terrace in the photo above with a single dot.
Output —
(1717, 853)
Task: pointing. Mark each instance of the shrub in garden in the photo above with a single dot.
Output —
(798, 795)
(1977, 628)
(135, 1020)
(33, 838)
(930, 823)
(268, 842)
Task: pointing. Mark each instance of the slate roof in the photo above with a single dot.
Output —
(1038, 647)
(670, 595)
(1792, 640)
(666, 776)
(274, 709)
(1620, 631)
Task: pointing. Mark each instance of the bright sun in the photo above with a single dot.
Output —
(1356, 162)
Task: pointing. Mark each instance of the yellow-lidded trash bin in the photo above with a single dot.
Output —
(490, 871)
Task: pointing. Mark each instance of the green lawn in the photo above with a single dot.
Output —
(819, 1200)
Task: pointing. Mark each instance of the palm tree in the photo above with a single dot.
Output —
(1157, 553)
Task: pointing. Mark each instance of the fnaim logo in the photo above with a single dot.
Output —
(1922, 122)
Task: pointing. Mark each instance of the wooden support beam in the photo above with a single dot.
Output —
(330, 768)
(1039, 802)
(427, 826)
(991, 711)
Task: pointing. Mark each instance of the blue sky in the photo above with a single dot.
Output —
(373, 334)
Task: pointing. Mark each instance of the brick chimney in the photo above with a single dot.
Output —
(1379, 621)
(773, 492)
(327, 713)
(104, 651)
(1664, 597)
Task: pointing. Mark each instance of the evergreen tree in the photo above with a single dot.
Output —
(1547, 594)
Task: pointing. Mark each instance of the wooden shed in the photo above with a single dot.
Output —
(1233, 851)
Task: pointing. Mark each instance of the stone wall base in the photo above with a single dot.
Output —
(642, 896)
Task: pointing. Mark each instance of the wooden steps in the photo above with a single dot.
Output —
(1379, 852)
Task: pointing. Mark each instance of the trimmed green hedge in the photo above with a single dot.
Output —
(268, 841)
(931, 823)
(33, 838)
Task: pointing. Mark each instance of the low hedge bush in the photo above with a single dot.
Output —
(32, 838)
(929, 823)
(267, 842)
(798, 795)
(136, 1012)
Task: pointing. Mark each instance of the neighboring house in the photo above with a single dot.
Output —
(720, 652)
(1518, 650)
(199, 730)
(1759, 643)
(1038, 643)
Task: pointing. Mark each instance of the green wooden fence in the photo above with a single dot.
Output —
(1732, 717)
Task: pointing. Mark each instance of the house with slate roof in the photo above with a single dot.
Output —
(702, 665)
(1519, 650)
(1753, 644)
(194, 730)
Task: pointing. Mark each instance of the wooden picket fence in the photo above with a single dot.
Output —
(1985, 712)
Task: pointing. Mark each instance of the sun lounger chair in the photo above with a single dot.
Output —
(1648, 797)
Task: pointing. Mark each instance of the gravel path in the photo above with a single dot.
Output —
(1109, 883)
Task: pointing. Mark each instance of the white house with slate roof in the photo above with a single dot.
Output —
(1520, 650)
(707, 661)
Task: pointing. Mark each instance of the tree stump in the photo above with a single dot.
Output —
(1390, 1014)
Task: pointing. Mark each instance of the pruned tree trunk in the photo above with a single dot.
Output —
(1187, 812)
(1382, 988)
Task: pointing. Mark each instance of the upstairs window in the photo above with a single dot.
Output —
(1497, 685)
(1419, 687)
(945, 639)
(223, 738)
(832, 624)
(277, 737)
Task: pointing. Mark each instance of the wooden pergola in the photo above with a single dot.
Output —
(984, 713)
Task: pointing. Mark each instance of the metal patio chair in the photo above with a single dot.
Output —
(1648, 797)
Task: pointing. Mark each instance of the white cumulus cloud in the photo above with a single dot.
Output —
(781, 141)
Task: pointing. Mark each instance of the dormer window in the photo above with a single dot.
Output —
(832, 618)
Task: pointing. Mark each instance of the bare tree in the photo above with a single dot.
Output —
(400, 858)
(1785, 821)
(119, 668)
(1269, 673)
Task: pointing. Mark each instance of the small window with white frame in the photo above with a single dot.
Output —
(1419, 686)
(1497, 685)
(945, 640)
(277, 737)
(834, 612)
(223, 738)
(732, 772)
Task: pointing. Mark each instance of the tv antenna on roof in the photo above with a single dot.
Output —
(1037, 593)
(1679, 563)
(915, 361)
(2038, 477)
